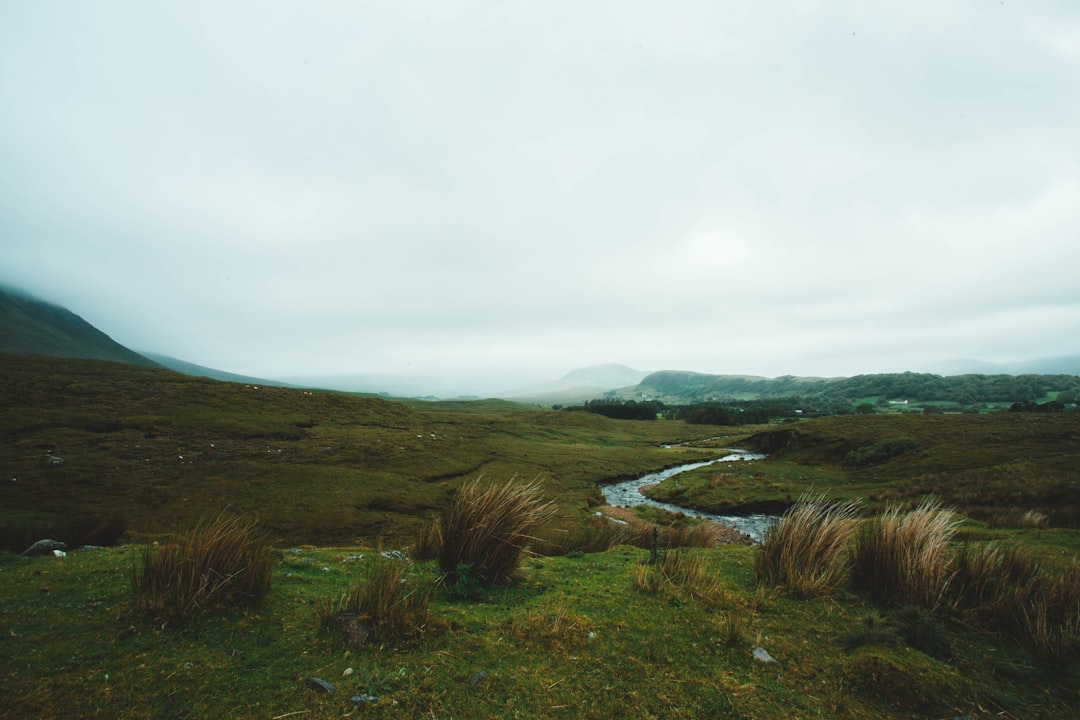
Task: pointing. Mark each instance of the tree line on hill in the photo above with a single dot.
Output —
(691, 388)
(909, 392)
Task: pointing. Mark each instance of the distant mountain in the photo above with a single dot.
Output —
(29, 326)
(579, 385)
(1068, 365)
(1047, 366)
(185, 368)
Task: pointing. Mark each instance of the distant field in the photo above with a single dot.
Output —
(981, 464)
(161, 450)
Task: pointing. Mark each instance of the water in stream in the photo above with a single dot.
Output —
(628, 494)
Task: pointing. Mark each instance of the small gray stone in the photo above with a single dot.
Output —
(478, 678)
(359, 700)
(762, 655)
(319, 685)
(53, 460)
(44, 547)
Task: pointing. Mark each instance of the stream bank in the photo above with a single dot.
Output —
(628, 494)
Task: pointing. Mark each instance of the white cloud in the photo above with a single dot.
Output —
(800, 187)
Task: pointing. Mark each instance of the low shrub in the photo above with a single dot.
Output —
(387, 603)
(807, 552)
(486, 527)
(902, 558)
(225, 560)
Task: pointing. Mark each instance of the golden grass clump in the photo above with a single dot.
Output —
(902, 558)
(806, 552)
(223, 561)
(485, 530)
(386, 604)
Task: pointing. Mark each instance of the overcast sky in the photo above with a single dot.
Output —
(506, 191)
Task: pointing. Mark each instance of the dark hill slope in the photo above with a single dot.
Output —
(32, 327)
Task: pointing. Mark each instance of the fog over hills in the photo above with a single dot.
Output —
(30, 325)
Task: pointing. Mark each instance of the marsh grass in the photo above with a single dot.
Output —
(600, 533)
(553, 624)
(388, 603)
(223, 561)
(680, 573)
(806, 553)
(1018, 518)
(1006, 589)
(487, 527)
(902, 558)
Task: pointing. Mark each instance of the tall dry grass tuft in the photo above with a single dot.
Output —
(428, 541)
(1007, 590)
(902, 558)
(225, 560)
(386, 604)
(806, 552)
(486, 527)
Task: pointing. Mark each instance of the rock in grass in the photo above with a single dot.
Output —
(358, 700)
(44, 547)
(762, 655)
(478, 678)
(319, 685)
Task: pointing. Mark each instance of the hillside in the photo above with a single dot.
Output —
(95, 439)
(29, 326)
(676, 387)
(186, 368)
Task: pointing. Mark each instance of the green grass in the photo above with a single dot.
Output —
(576, 637)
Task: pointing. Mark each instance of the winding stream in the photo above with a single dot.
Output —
(628, 494)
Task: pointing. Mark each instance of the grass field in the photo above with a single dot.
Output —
(161, 450)
(576, 637)
(333, 477)
(983, 465)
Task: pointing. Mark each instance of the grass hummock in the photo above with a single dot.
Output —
(902, 557)
(222, 561)
(387, 603)
(484, 530)
(806, 552)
